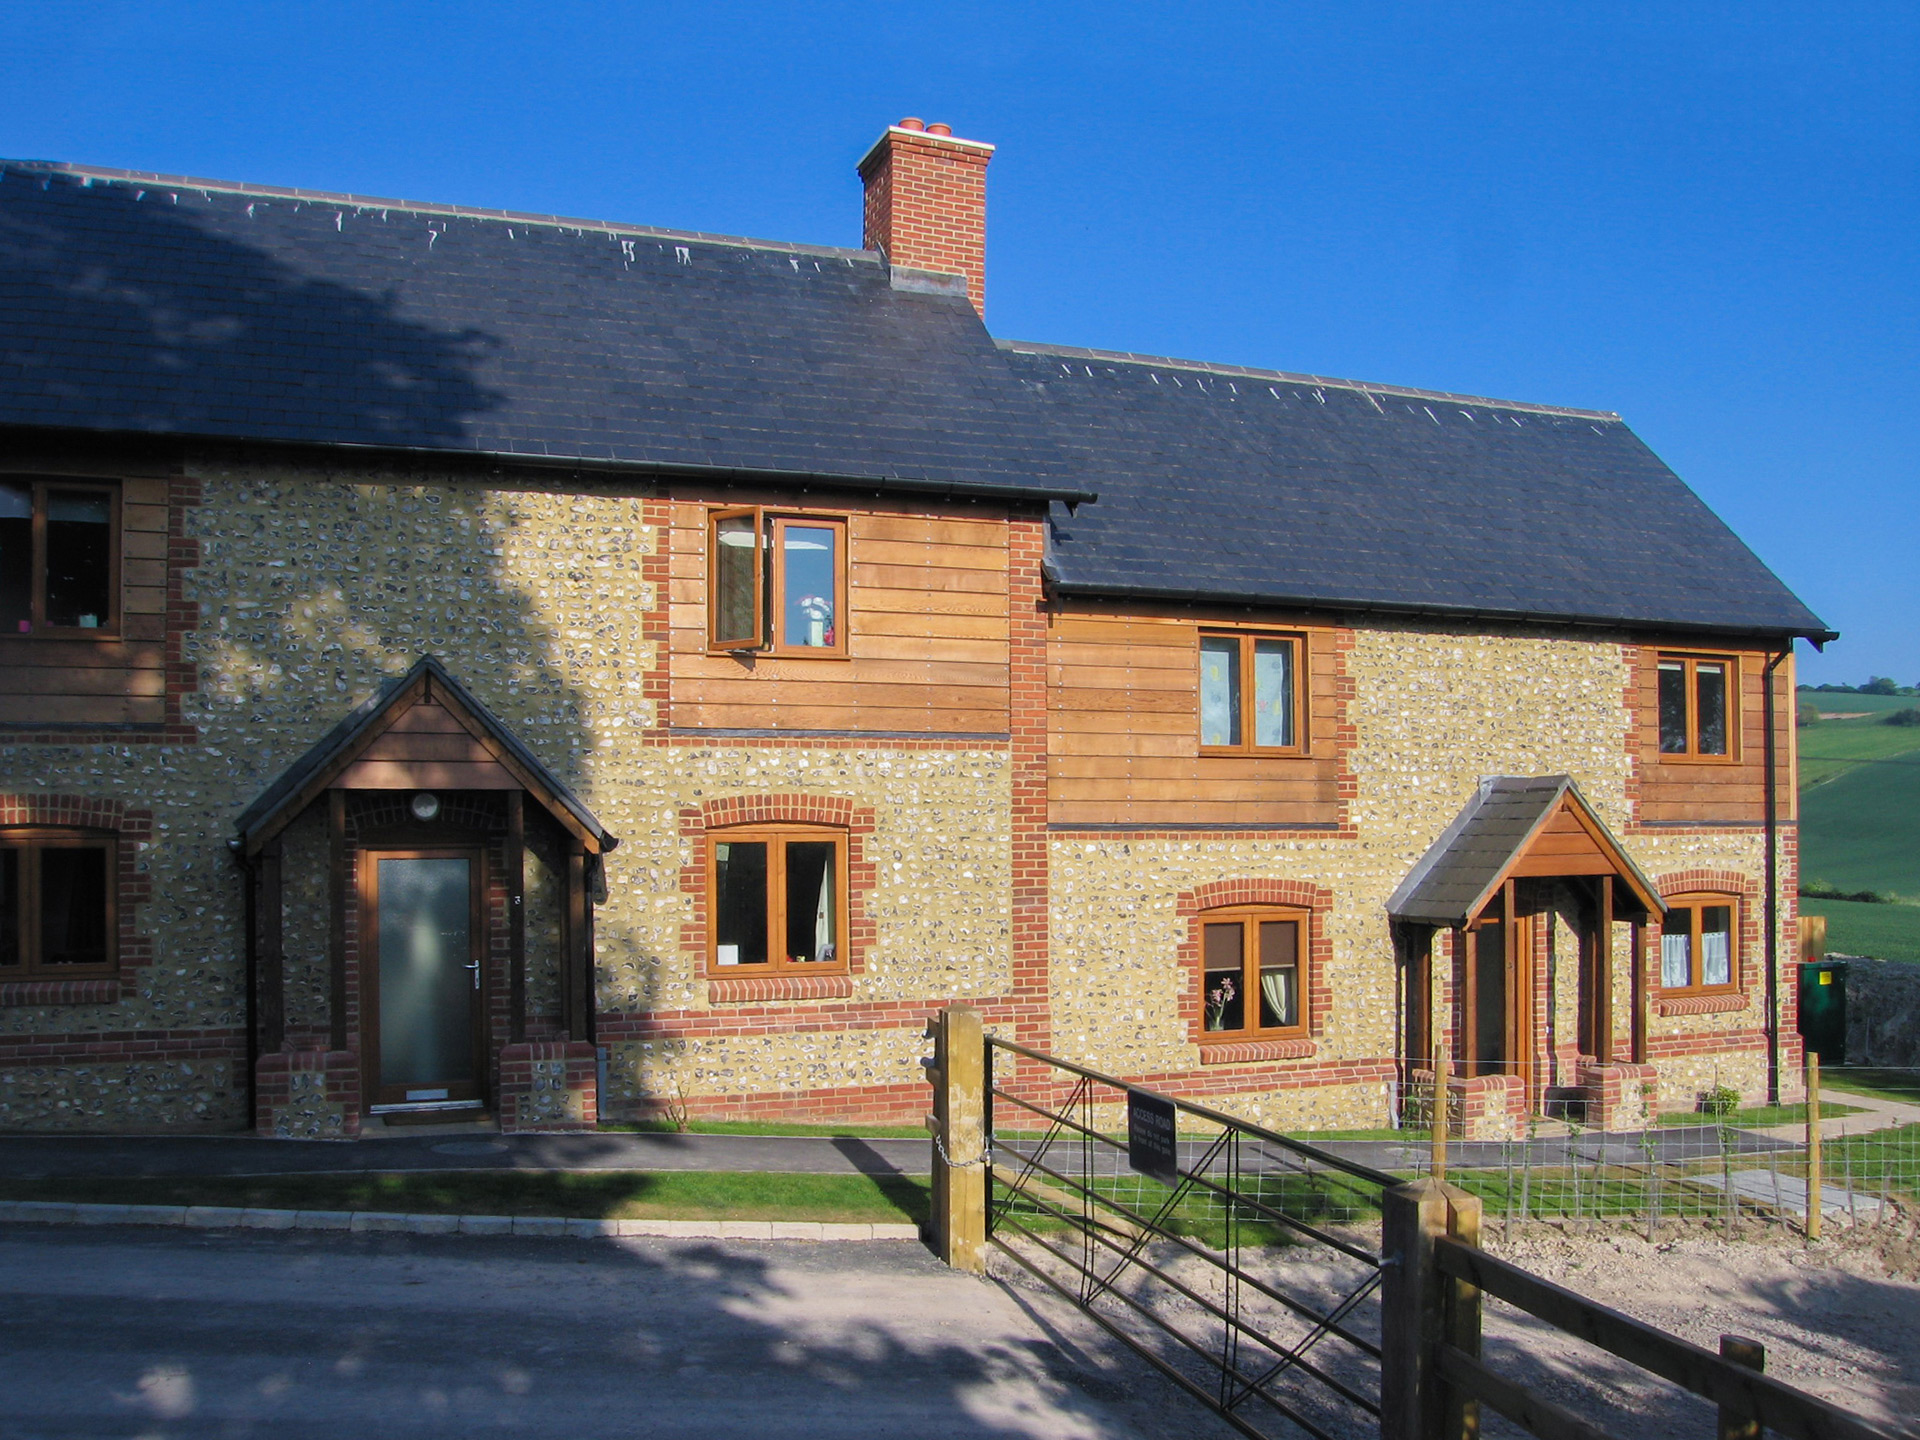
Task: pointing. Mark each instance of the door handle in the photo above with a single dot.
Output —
(474, 966)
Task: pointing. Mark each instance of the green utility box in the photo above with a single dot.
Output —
(1823, 1009)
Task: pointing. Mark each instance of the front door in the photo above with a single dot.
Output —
(423, 985)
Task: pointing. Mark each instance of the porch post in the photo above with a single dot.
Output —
(1603, 978)
(516, 878)
(1638, 944)
(271, 980)
(573, 966)
(337, 929)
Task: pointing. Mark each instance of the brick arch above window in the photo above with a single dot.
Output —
(1190, 905)
(784, 808)
(1737, 886)
(132, 887)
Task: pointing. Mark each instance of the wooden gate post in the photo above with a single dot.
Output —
(958, 1123)
(1422, 1309)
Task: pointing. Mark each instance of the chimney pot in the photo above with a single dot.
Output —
(926, 205)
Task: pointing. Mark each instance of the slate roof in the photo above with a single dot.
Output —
(149, 304)
(1256, 486)
(339, 741)
(1456, 877)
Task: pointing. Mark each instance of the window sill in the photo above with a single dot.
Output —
(1700, 1004)
(1244, 1052)
(59, 992)
(753, 989)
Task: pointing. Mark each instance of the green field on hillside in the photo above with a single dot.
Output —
(1886, 932)
(1860, 822)
(1829, 702)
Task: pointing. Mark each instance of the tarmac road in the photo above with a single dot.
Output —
(176, 1336)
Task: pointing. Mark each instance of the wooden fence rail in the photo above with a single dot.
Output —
(1737, 1389)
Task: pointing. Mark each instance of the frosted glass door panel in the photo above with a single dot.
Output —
(426, 983)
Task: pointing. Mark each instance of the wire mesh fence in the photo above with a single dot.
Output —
(1736, 1165)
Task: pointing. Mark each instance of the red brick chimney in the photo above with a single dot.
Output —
(927, 202)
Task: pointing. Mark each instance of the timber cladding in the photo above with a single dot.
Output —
(928, 649)
(128, 681)
(1123, 733)
(1686, 789)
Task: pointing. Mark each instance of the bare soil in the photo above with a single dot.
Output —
(1840, 1320)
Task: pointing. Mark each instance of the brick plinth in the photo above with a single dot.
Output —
(549, 1085)
(308, 1095)
(1479, 1107)
(1619, 1096)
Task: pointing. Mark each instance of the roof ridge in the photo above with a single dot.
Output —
(426, 207)
(1246, 372)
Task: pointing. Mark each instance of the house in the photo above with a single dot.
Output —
(455, 659)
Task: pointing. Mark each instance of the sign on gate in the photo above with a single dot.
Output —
(1152, 1137)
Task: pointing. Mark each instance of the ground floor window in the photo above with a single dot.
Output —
(56, 904)
(778, 898)
(1253, 971)
(1700, 944)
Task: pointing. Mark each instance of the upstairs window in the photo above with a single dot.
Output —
(1699, 944)
(1697, 695)
(1253, 972)
(778, 900)
(59, 546)
(56, 905)
(778, 583)
(1250, 694)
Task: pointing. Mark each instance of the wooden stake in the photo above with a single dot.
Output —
(1737, 1422)
(1441, 1122)
(1813, 1146)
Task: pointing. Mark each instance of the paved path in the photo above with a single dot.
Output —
(166, 1336)
(1875, 1114)
(25, 1156)
(34, 1156)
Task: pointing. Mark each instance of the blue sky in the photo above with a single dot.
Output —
(1704, 217)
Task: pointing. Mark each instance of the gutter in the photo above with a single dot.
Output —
(1069, 588)
(1773, 877)
(664, 469)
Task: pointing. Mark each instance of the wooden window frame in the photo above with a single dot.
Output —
(30, 842)
(1247, 640)
(1249, 917)
(1692, 660)
(1693, 903)
(777, 837)
(769, 529)
(110, 623)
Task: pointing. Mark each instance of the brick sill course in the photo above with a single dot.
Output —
(59, 992)
(550, 1227)
(1701, 1004)
(757, 989)
(1244, 1052)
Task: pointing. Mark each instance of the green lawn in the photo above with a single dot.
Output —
(676, 1195)
(1828, 702)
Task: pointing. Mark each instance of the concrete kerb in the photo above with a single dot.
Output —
(551, 1227)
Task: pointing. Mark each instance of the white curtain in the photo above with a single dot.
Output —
(1716, 958)
(1276, 988)
(1676, 961)
(823, 917)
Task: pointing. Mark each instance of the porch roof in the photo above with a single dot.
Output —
(1495, 836)
(330, 758)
